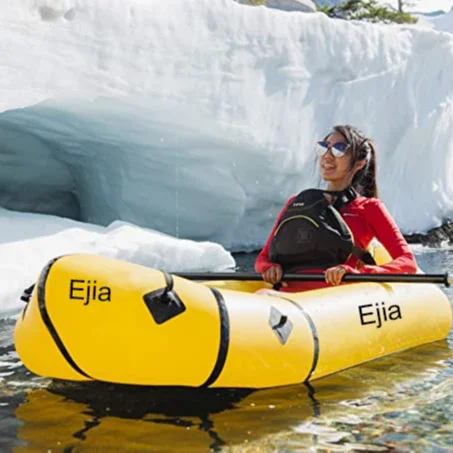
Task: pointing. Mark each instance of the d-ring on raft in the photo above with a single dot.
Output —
(96, 318)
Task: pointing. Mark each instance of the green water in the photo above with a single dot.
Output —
(400, 403)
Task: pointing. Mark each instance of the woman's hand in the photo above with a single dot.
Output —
(334, 275)
(273, 274)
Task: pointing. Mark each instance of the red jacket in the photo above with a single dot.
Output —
(367, 218)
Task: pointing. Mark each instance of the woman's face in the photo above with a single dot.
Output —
(335, 169)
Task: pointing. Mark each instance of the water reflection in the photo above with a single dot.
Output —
(332, 412)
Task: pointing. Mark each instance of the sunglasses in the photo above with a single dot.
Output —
(338, 149)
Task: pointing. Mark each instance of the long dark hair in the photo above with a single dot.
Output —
(362, 147)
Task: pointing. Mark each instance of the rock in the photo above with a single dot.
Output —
(305, 6)
(434, 237)
(329, 2)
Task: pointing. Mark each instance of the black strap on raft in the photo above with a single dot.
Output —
(26, 295)
(164, 303)
(312, 233)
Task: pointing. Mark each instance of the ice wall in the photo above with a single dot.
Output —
(198, 117)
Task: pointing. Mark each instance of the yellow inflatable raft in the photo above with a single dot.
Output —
(95, 318)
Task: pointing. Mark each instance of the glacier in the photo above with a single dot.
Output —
(197, 118)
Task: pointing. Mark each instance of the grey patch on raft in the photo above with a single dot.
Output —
(70, 14)
(48, 14)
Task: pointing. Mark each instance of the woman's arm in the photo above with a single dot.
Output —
(263, 261)
(388, 234)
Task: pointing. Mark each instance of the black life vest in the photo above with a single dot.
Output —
(312, 233)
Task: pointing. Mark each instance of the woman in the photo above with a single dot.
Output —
(347, 159)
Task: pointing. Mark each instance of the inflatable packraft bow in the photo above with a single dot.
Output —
(95, 318)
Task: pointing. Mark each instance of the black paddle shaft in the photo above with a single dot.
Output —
(382, 278)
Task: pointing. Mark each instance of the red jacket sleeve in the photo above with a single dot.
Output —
(388, 234)
(263, 261)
